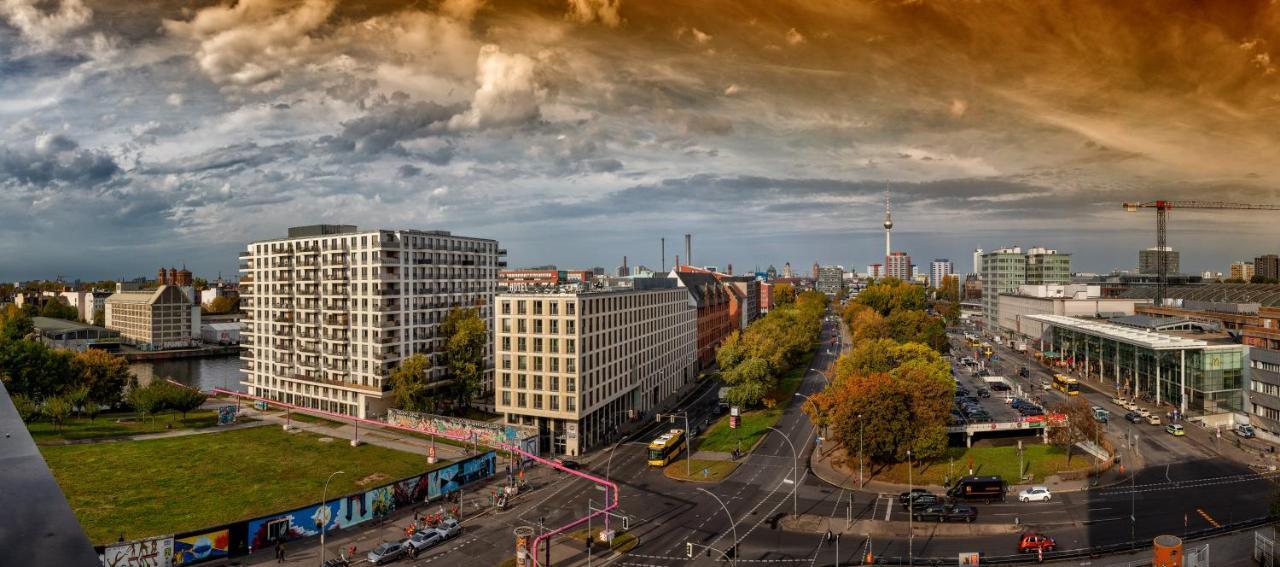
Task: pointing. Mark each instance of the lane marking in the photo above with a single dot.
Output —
(1207, 517)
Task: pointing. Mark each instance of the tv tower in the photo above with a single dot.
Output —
(888, 224)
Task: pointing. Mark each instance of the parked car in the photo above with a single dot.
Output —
(449, 528)
(924, 501)
(984, 393)
(568, 464)
(1023, 372)
(424, 539)
(1144, 412)
(904, 497)
(947, 513)
(1153, 419)
(1032, 542)
(387, 552)
(1133, 417)
(1036, 494)
(986, 488)
(1174, 429)
(1245, 430)
(1000, 387)
(1118, 401)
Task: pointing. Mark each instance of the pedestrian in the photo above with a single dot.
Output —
(280, 552)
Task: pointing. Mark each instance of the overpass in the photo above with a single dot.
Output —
(1034, 424)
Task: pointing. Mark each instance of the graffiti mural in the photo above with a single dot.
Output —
(201, 547)
(334, 514)
(154, 552)
(450, 478)
(483, 432)
(411, 490)
(226, 415)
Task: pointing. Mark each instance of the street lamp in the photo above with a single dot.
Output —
(324, 515)
(861, 483)
(817, 413)
(732, 524)
(911, 515)
(608, 467)
(795, 473)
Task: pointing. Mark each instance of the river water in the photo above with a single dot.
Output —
(203, 373)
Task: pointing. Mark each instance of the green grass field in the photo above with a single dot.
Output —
(118, 425)
(144, 488)
(1038, 460)
(755, 423)
(715, 470)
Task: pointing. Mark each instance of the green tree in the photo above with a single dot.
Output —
(147, 400)
(223, 305)
(732, 351)
(467, 337)
(36, 370)
(100, 317)
(15, 324)
(106, 376)
(783, 294)
(1080, 425)
(57, 409)
(79, 398)
(184, 400)
(27, 409)
(749, 382)
(56, 309)
(410, 384)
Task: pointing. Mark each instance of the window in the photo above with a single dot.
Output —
(522, 345)
(569, 308)
(537, 401)
(570, 402)
(568, 346)
(555, 346)
(555, 383)
(506, 362)
(506, 380)
(569, 365)
(555, 326)
(537, 326)
(537, 382)
(537, 344)
(571, 384)
(537, 307)
(521, 400)
(521, 327)
(506, 325)
(569, 327)
(506, 398)
(553, 307)
(506, 343)
(555, 364)
(537, 363)
(520, 307)
(522, 381)
(555, 401)
(506, 308)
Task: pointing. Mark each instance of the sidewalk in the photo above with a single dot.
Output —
(389, 438)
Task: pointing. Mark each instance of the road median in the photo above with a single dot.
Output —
(813, 523)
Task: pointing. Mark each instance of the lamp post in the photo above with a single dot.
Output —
(732, 524)
(861, 483)
(795, 473)
(324, 516)
(817, 413)
(911, 514)
(608, 467)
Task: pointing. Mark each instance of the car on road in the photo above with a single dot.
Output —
(424, 540)
(1245, 430)
(1153, 419)
(904, 497)
(568, 464)
(1133, 417)
(1023, 372)
(1035, 494)
(924, 501)
(1129, 405)
(449, 528)
(387, 552)
(984, 393)
(1032, 542)
(1118, 401)
(1144, 412)
(947, 513)
(1175, 429)
(1000, 387)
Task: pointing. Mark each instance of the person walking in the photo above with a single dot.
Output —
(280, 552)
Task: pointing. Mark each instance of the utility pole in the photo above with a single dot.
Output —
(911, 514)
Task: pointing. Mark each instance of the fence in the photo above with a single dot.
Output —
(243, 537)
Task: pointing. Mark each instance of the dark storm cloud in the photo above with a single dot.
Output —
(233, 157)
(383, 129)
(54, 158)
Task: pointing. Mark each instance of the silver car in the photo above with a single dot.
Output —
(424, 539)
(387, 552)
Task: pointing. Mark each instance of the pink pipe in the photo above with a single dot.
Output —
(510, 448)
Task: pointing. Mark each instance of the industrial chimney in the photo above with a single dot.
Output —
(664, 254)
(688, 249)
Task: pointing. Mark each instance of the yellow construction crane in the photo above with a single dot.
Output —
(1162, 220)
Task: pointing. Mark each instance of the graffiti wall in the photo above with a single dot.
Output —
(154, 552)
(483, 432)
(238, 538)
(201, 547)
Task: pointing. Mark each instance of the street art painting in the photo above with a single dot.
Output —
(334, 514)
(226, 415)
(154, 552)
(449, 479)
(201, 547)
(482, 432)
(411, 490)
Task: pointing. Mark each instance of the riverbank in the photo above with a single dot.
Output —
(134, 355)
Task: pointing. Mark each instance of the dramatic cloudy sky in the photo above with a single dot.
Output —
(575, 131)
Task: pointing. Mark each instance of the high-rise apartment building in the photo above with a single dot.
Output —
(331, 310)
(578, 364)
(977, 261)
(830, 280)
(1149, 260)
(939, 269)
(898, 265)
(1242, 271)
(1267, 266)
(1005, 269)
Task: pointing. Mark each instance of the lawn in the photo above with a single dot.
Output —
(118, 425)
(144, 488)
(715, 470)
(754, 423)
(314, 419)
(1038, 460)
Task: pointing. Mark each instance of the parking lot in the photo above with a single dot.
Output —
(994, 403)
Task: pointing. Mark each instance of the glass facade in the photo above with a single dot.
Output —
(1213, 374)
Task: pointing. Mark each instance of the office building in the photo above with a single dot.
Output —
(977, 261)
(1242, 271)
(1072, 300)
(577, 364)
(1267, 267)
(331, 310)
(875, 271)
(1149, 260)
(830, 280)
(161, 318)
(939, 269)
(1005, 269)
(898, 265)
(520, 280)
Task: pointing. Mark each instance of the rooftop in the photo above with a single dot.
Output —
(1267, 295)
(1135, 336)
(51, 325)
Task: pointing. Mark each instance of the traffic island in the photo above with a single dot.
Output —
(819, 524)
(703, 470)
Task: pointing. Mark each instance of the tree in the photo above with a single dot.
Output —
(79, 398)
(732, 351)
(36, 370)
(224, 304)
(146, 400)
(14, 324)
(467, 337)
(100, 317)
(890, 295)
(106, 376)
(1080, 425)
(749, 382)
(57, 309)
(783, 294)
(57, 409)
(183, 399)
(27, 409)
(410, 385)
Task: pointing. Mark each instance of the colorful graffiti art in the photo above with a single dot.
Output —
(457, 428)
(155, 552)
(200, 547)
(334, 514)
(226, 415)
(449, 479)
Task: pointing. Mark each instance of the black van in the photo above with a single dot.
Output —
(986, 488)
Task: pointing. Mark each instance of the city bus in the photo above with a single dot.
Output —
(1068, 385)
(666, 447)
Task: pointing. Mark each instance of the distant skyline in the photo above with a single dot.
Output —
(159, 132)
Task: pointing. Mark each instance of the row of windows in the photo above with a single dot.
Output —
(1268, 366)
(552, 383)
(535, 363)
(1265, 388)
(552, 401)
(539, 326)
(365, 240)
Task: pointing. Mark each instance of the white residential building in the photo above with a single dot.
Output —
(331, 310)
(578, 363)
(939, 269)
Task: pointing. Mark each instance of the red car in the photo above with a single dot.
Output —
(1032, 542)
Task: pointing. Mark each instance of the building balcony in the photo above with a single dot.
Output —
(386, 340)
(309, 349)
(312, 249)
(502, 252)
(338, 383)
(335, 306)
(336, 321)
(337, 260)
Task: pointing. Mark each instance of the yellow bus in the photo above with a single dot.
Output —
(1068, 385)
(974, 342)
(664, 449)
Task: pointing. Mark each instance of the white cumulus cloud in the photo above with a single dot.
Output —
(42, 27)
(508, 91)
(589, 11)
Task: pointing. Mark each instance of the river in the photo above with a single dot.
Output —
(203, 373)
